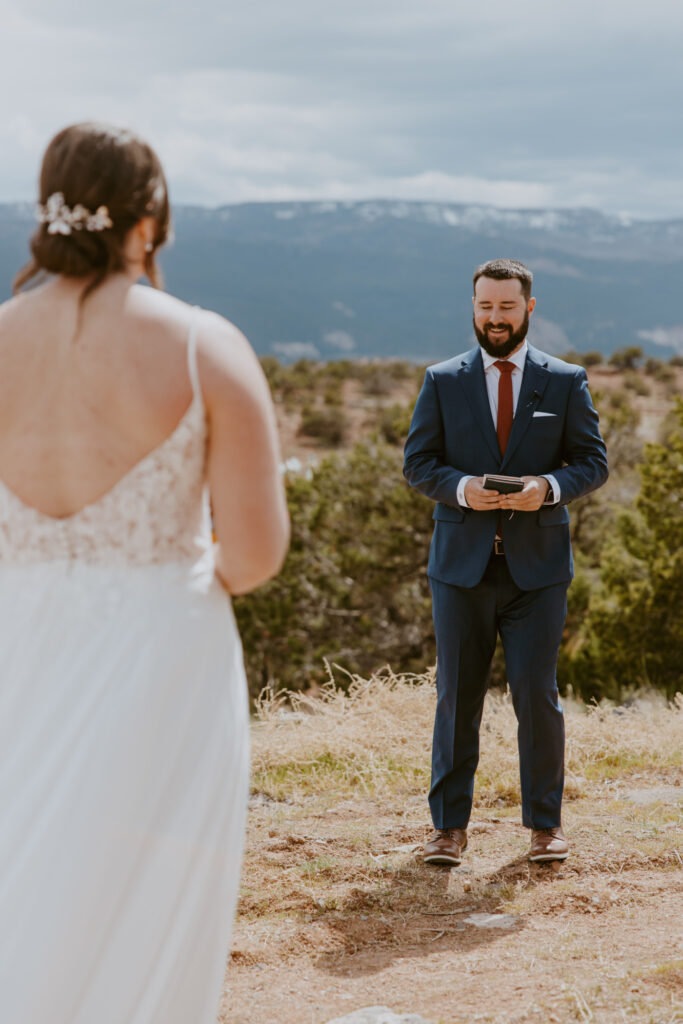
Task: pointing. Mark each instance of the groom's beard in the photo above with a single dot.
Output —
(502, 348)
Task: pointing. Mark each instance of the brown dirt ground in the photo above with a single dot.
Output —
(338, 911)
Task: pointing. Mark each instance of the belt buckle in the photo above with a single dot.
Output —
(498, 546)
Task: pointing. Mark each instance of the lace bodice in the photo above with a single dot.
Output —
(156, 513)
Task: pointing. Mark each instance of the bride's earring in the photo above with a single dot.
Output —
(149, 247)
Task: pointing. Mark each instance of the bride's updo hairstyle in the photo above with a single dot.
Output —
(96, 165)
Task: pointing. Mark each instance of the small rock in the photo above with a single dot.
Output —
(480, 828)
(378, 1015)
(492, 920)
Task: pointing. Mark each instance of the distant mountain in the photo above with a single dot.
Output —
(385, 278)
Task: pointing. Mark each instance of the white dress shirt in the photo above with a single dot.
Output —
(492, 376)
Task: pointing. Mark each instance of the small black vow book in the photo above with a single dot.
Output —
(503, 484)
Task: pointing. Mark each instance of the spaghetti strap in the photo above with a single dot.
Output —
(192, 355)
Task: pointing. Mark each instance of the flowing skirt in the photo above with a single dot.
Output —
(123, 789)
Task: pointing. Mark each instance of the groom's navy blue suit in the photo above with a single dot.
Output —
(522, 594)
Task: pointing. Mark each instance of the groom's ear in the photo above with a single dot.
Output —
(531, 304)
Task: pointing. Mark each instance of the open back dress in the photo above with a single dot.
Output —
(123, 750)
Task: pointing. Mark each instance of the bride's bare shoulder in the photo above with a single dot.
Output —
(151, 306)
(219, 341)
(11, 306)
(229, 368)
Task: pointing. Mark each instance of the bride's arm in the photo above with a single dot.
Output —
(250, 515)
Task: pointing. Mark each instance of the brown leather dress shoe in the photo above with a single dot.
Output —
(445, 846)
(548, 844)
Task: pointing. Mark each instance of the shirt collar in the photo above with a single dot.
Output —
(519, 358)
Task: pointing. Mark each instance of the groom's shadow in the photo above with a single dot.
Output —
(418, 910)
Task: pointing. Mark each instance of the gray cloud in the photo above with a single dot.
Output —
(671, 337)
(295, 349)
(524, 103)
(548, 336)
(342, 340)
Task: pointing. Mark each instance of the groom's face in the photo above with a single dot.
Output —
(501, 315)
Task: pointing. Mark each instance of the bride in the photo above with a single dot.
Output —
(126, 419)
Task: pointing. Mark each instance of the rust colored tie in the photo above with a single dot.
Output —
(504, 421)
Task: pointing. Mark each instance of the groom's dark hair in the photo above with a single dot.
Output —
(504, 270)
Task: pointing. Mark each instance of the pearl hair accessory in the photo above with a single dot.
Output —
(62, 220)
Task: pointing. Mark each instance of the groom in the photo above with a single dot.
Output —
(501, 563)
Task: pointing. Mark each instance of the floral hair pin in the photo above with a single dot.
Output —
(62, 220)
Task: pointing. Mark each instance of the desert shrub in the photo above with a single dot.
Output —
(665, 373)
(328, 425)
(619, 420)
(635, 382)
(340, 369)
(592, 358)
(593, 516)
(304, 367)
(378, 381)
(301, 378)
(333, 395)
(633, 623)
(394, 422)
(272, 368)
(617, 399)
(676, 361)
(354, 588)
(626, 358)
(400, 369)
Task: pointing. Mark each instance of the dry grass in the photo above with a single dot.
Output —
(375, 739)
(338, 911)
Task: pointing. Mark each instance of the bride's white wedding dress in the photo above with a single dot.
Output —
(123, 750)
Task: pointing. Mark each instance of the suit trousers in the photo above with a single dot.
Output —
(467, 622)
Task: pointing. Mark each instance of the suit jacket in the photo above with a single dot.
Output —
(452, 434)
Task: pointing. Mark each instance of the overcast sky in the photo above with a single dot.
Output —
(520, 103)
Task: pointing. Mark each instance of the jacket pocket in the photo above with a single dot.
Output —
(448, 514)
(553, 515)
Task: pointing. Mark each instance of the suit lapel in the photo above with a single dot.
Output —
(474, 385)
(534, 382)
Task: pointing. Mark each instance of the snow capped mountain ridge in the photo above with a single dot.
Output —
(389, 277)
(471, 216)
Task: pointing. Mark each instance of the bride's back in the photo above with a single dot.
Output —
(80, 405)
(97, 372)
(124, 701)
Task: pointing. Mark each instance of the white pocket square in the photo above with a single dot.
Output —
(545, 414)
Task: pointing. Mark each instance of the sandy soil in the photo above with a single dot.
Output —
(600, 938)
(338, 911)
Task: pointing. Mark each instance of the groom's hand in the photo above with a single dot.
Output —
(481, 498)
(530, 498)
